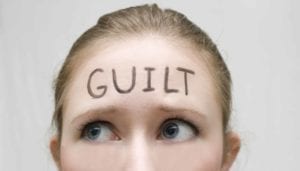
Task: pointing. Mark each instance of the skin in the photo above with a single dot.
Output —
(135, 142)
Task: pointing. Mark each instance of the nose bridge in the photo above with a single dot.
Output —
(139, 156)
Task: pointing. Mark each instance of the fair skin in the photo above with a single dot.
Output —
(136, 134)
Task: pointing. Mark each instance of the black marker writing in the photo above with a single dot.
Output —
(98, 87)
(186, 71)
(149, 88)
(132, 82)
(101, 90)
(167, 89)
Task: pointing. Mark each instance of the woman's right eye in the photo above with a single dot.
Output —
(99, 132)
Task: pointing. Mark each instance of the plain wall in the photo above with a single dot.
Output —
(259, 40)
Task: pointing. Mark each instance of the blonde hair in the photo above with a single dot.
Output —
(143, 19)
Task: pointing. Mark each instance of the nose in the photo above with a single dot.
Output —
(139, 154)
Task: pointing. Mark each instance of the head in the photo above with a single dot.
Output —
(143, 89)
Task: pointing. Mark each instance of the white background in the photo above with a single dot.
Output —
(259, 40)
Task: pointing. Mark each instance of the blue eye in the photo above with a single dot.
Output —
(177, 130)
(98, 132)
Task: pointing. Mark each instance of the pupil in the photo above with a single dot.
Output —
(171, 130)
(94, 132)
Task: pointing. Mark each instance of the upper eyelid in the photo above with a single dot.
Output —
(91, 120)
(93, 114)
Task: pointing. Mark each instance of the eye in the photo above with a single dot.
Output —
(177, 130)
(99, 131)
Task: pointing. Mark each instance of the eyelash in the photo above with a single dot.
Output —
(197, 130)
(83, 126)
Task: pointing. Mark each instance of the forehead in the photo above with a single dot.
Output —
(142, 49)
(129, 56)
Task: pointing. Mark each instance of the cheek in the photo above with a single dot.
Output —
(91, 158)
(189, 156)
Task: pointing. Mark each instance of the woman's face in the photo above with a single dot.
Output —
(141, 104)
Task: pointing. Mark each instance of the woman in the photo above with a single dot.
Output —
(143, 89)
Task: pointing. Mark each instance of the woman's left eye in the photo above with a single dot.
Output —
(98, 132)
(177, 130)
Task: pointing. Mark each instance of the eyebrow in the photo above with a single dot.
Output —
(111, 109)
(171, 109)
(95, 111)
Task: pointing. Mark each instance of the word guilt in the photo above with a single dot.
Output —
(101, 89)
